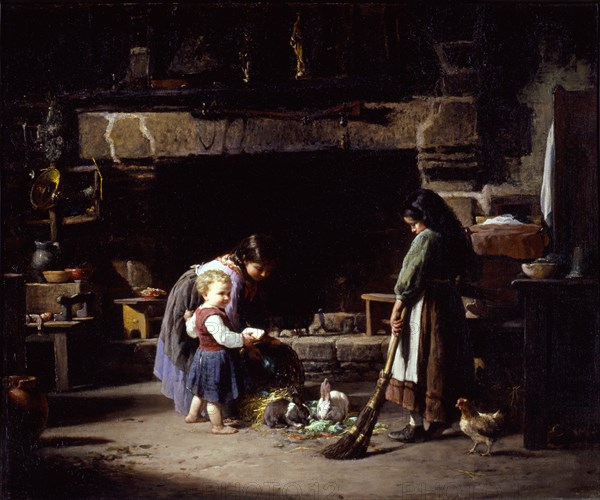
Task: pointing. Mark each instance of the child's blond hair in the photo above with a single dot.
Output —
(207, 278)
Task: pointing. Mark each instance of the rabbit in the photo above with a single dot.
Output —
(285, 413)
(333, 405)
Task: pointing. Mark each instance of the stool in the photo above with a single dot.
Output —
(139, 313)
(374, 315)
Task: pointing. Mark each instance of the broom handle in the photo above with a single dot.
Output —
(378, 395)
(392, 351)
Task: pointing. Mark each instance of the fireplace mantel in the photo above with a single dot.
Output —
(291, 96)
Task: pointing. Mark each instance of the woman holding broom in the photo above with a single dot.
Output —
(429, 362)
(433, 364)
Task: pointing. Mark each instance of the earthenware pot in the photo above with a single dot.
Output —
(27, 411)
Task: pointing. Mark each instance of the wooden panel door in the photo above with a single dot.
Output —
(576, 175)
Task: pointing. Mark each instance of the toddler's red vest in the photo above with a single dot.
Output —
(207, 341)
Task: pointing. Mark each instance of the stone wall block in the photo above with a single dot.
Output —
(338, 322)
(464, 208)
(318, 376)
(314, 348)
(129, 138)
(361, 348)
(399, 130)
(361, 370)
(92, 143)
(450, 185)
(175, 134)
(452, 122)
(179, 134)
(320, 366)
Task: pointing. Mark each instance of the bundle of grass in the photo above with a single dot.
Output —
(253, 406)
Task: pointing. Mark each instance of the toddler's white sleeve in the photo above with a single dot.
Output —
(190, 326)
(223, 335)
(257, 333)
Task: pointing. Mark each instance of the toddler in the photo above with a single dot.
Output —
(215, 377)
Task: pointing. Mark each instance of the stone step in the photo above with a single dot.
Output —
(342, 358)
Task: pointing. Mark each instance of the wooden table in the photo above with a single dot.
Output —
(139, 313)
(561, 353)
(375, 314)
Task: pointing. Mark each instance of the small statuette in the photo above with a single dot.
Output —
(297, 44)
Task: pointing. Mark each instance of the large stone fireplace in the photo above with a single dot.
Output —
(326, 184)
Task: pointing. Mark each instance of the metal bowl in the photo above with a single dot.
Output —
(539, 270)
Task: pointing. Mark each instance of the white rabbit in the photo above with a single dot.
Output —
(333, 405)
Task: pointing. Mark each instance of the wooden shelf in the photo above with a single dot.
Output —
(289, 95)
(94, 203)
(67, 221)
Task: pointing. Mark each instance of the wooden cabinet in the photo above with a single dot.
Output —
(562, 320)
(576, 175)
(561, 353)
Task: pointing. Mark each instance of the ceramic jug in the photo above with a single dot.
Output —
(27, 411)
(45, 258)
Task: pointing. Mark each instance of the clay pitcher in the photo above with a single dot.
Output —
(45, 258)
(27, 411)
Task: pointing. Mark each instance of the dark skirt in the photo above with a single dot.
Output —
(175, 349)
(217, 376)
(445, 359)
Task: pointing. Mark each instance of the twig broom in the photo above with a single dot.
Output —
(354, 443)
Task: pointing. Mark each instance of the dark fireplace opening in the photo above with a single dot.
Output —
(335, 215)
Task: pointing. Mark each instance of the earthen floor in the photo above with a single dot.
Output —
(127, 442)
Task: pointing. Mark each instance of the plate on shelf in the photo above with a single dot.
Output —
(152, 293)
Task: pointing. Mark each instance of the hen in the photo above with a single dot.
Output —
(480, 427)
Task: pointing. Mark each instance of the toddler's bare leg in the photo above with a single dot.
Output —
(194, 414)
(216, 419)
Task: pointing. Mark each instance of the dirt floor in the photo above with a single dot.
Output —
(126, 441)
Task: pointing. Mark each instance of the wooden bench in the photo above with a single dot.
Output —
(377, 315)
(69, 327)
(139, 313)
(59, 333)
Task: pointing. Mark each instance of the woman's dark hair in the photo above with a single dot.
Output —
(259, 248)
(430, 208)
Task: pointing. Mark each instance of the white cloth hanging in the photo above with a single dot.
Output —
(547, 191)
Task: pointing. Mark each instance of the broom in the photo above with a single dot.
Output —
(355, 442)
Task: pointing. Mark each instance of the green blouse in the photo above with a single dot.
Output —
(422, 262)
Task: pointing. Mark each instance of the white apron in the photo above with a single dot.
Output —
(405, 370)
